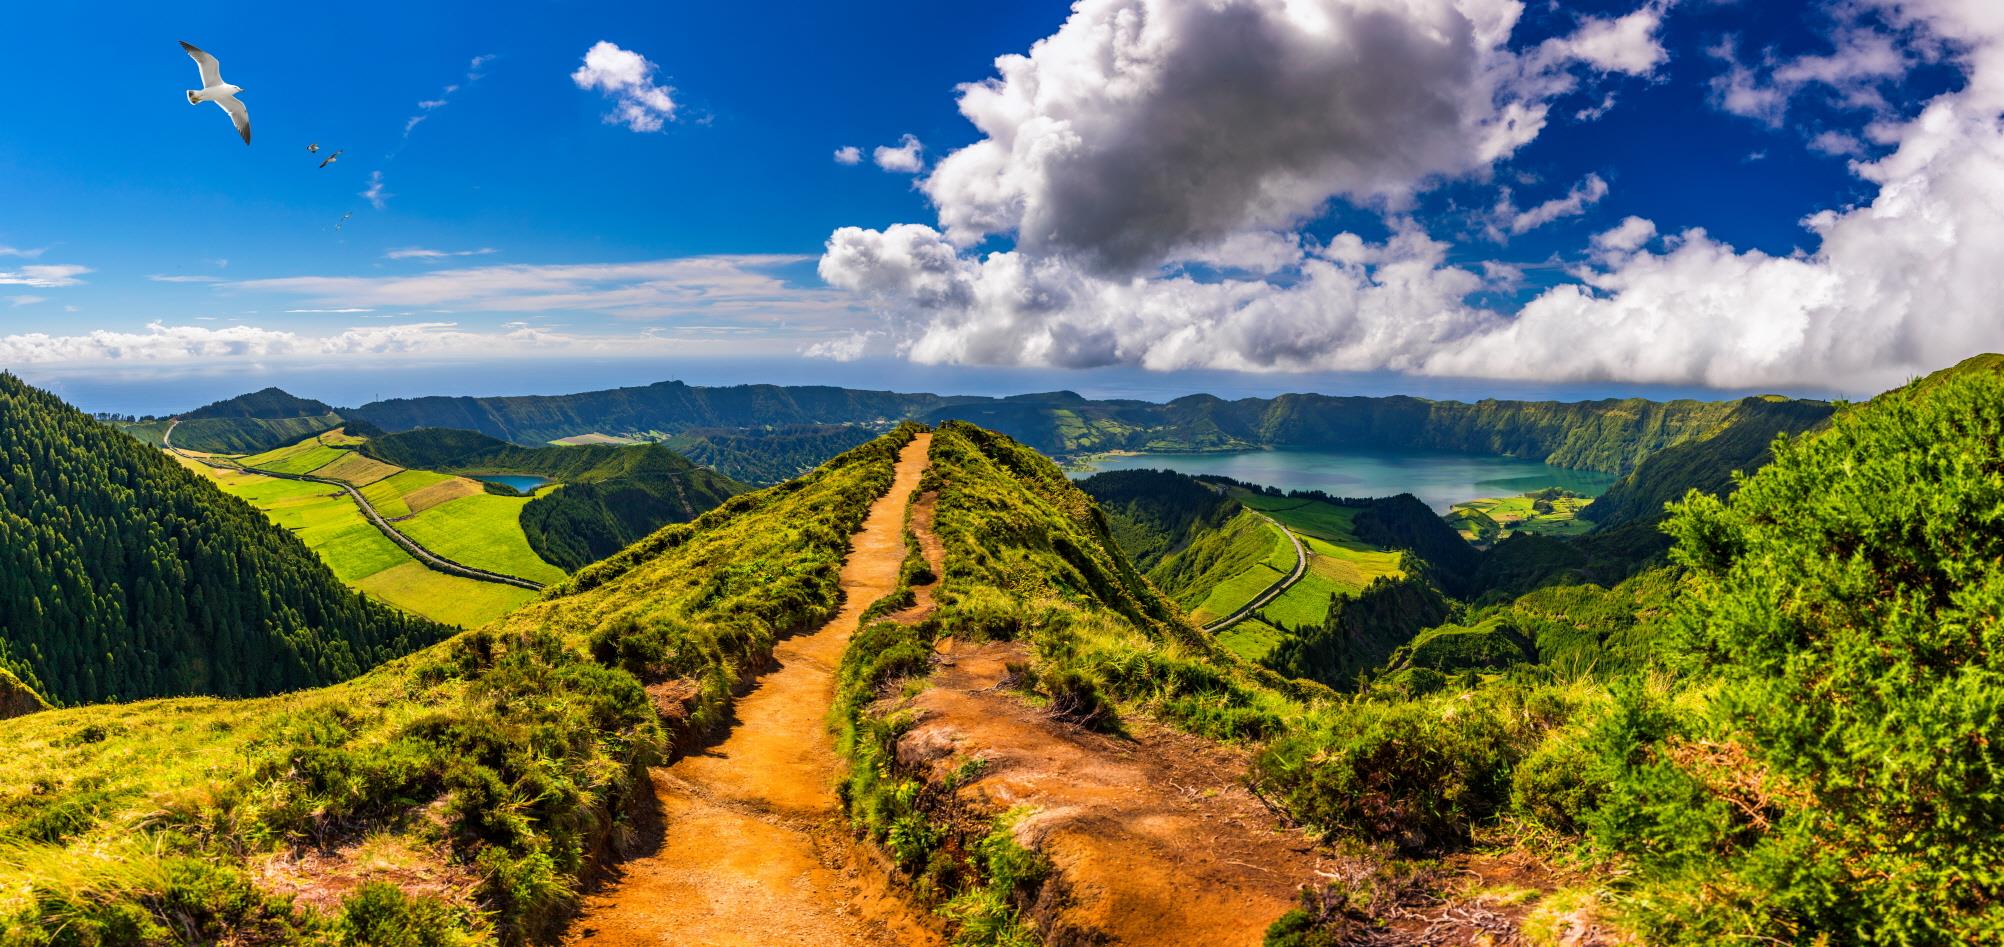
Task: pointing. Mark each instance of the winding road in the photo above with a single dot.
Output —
(431, 560)
(1273, 591)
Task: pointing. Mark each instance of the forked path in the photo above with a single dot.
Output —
(752, 848)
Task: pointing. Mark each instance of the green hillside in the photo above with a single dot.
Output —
(232, 435)
(613, 494)
(266, 404)
(670, 406)
(124, 576)
(499, 761)
(1708, 464)
(767, 455)
(1155, 513)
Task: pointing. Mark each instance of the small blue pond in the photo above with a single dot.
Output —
(521, 482)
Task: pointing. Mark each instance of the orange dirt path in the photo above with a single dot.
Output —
(753, 848)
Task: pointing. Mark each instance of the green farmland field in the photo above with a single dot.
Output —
(303, 457)
(483, 531)
(332, 526)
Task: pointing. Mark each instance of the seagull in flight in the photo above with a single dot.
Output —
(214, 89)
(313, 147)
(330, 159)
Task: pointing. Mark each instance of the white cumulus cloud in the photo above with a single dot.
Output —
(908, 157)
(848, 154)
(639, 103)
(1142, 135)
(1144, 129)
(1583, 195)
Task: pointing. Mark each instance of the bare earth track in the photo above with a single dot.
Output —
(752, 846)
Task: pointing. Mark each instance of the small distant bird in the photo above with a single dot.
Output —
(343, 220)
(313, 147)
(330, 159)
(214, 89)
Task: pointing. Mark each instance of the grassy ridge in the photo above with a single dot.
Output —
(506, 754)
(228, 435)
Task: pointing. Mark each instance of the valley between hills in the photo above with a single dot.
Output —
(763, 665)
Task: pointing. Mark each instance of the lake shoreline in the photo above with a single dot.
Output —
(1441, 479)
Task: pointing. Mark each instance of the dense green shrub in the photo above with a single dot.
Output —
(1843, 780)
(1419, 774)
(381, 915)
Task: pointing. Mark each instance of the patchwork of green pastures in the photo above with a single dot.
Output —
(483, 531)
(1496, 518)
(357, 469)
(387, 495)
(303, 457)
(360, 555)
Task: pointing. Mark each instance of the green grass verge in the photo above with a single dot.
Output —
(1251, 639)
(448, 598)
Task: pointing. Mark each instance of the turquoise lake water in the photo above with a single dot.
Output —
(522, 482)
(1440, 480)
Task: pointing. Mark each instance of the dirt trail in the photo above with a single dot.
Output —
(753, 849)
(1152, 837)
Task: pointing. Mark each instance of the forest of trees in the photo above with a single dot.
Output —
(768, 455)
(124, 576)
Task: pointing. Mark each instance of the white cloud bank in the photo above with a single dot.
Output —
(162, 343)
(746, 286)
(44, 276)
(639, 103)
(1145, 133)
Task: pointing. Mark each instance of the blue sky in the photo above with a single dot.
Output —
(522, 235)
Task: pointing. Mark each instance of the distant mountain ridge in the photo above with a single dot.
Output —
(1611, 435)
(266, 404)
